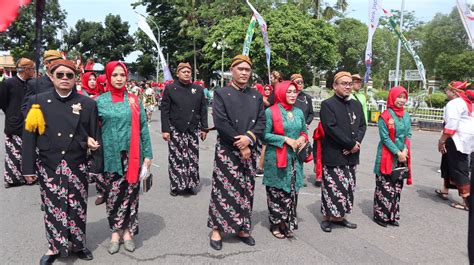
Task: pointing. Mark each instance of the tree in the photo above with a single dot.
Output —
(444, 34)
(102, 43)
(19, 38)
(455, 67)
(298, 42)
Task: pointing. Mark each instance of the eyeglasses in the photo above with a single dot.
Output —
(299, 82)
(346, 84)
(68, 75)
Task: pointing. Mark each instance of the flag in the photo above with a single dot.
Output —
(407, 45)
(143, 25)
(249, 36)
(467, 18)
(9, 12)
(372, 26)
(263, 26)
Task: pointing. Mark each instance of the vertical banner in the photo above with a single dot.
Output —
(263, 26)
(372, 26)
(467, 18)
(249, 36)
(143, 25)
(408, 46)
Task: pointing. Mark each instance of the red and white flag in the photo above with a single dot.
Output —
(467, 18)
(9, 12)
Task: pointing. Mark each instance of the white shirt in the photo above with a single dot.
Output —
(459, 122)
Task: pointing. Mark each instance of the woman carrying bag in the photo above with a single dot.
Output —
(392, 164)
(285, 134)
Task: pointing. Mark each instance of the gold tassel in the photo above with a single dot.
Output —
(35, 120)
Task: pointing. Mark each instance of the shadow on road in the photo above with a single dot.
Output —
(367, 209)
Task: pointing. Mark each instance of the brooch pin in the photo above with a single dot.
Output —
(131, 101)
(76, 108)
(193, 90)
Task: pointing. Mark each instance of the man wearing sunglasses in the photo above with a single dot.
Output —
(71, 127)
(12, 92)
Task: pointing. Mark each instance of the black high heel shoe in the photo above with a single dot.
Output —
(48, 259)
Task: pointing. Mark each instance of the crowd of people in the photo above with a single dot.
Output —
(63, 135)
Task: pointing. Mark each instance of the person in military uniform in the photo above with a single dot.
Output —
(239, 117)
(68, 129)
(183, 120)
(12, 92)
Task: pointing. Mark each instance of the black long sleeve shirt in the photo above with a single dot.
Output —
(238, 112)
(183, 107)
(344, 125)
(12, 92)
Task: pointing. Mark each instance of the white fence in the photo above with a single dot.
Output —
(416, 114)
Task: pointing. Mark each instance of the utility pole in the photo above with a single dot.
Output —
(397, 69)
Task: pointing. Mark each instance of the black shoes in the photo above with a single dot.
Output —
(193, 191)
(259, 173)
(216, 244)
(380, 222)
(48, 259)
(326, 226)
(317, 183)
(173, 193)
(84, 254)
(394, 223)
(249, 240)
(346, 224)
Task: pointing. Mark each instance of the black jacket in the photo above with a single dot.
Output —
(238, 112)
(344, 124)
(183, 107)
(305, 103)
(66, 133)
(36, 86)
(12, 92)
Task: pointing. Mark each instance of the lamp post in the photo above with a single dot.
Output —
(221, 45)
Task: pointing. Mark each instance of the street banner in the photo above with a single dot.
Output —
(407, 45)
(467, 18)
(249, 36)
(263, 26)
(372, 25)
(143, 25)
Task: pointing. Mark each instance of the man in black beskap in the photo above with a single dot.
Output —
(69, 130)
(12, 92)
(344, 128)
(183, 121)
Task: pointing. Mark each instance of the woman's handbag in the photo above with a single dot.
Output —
(400, 172)
(305, 153)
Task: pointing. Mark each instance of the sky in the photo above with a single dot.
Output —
(96, 10)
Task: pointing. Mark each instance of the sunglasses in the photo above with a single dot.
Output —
(299, 82)
(68, 75)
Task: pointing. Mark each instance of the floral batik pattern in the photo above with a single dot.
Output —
(183, 160)
(233, 182)
(387, 199)
(122, 200)
(64, 196)
(282, 205)
(338, 187)
(12, 173)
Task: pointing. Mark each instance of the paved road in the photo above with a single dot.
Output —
(173, 229)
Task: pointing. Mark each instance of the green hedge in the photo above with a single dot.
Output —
(381, 95)
(436, 100)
